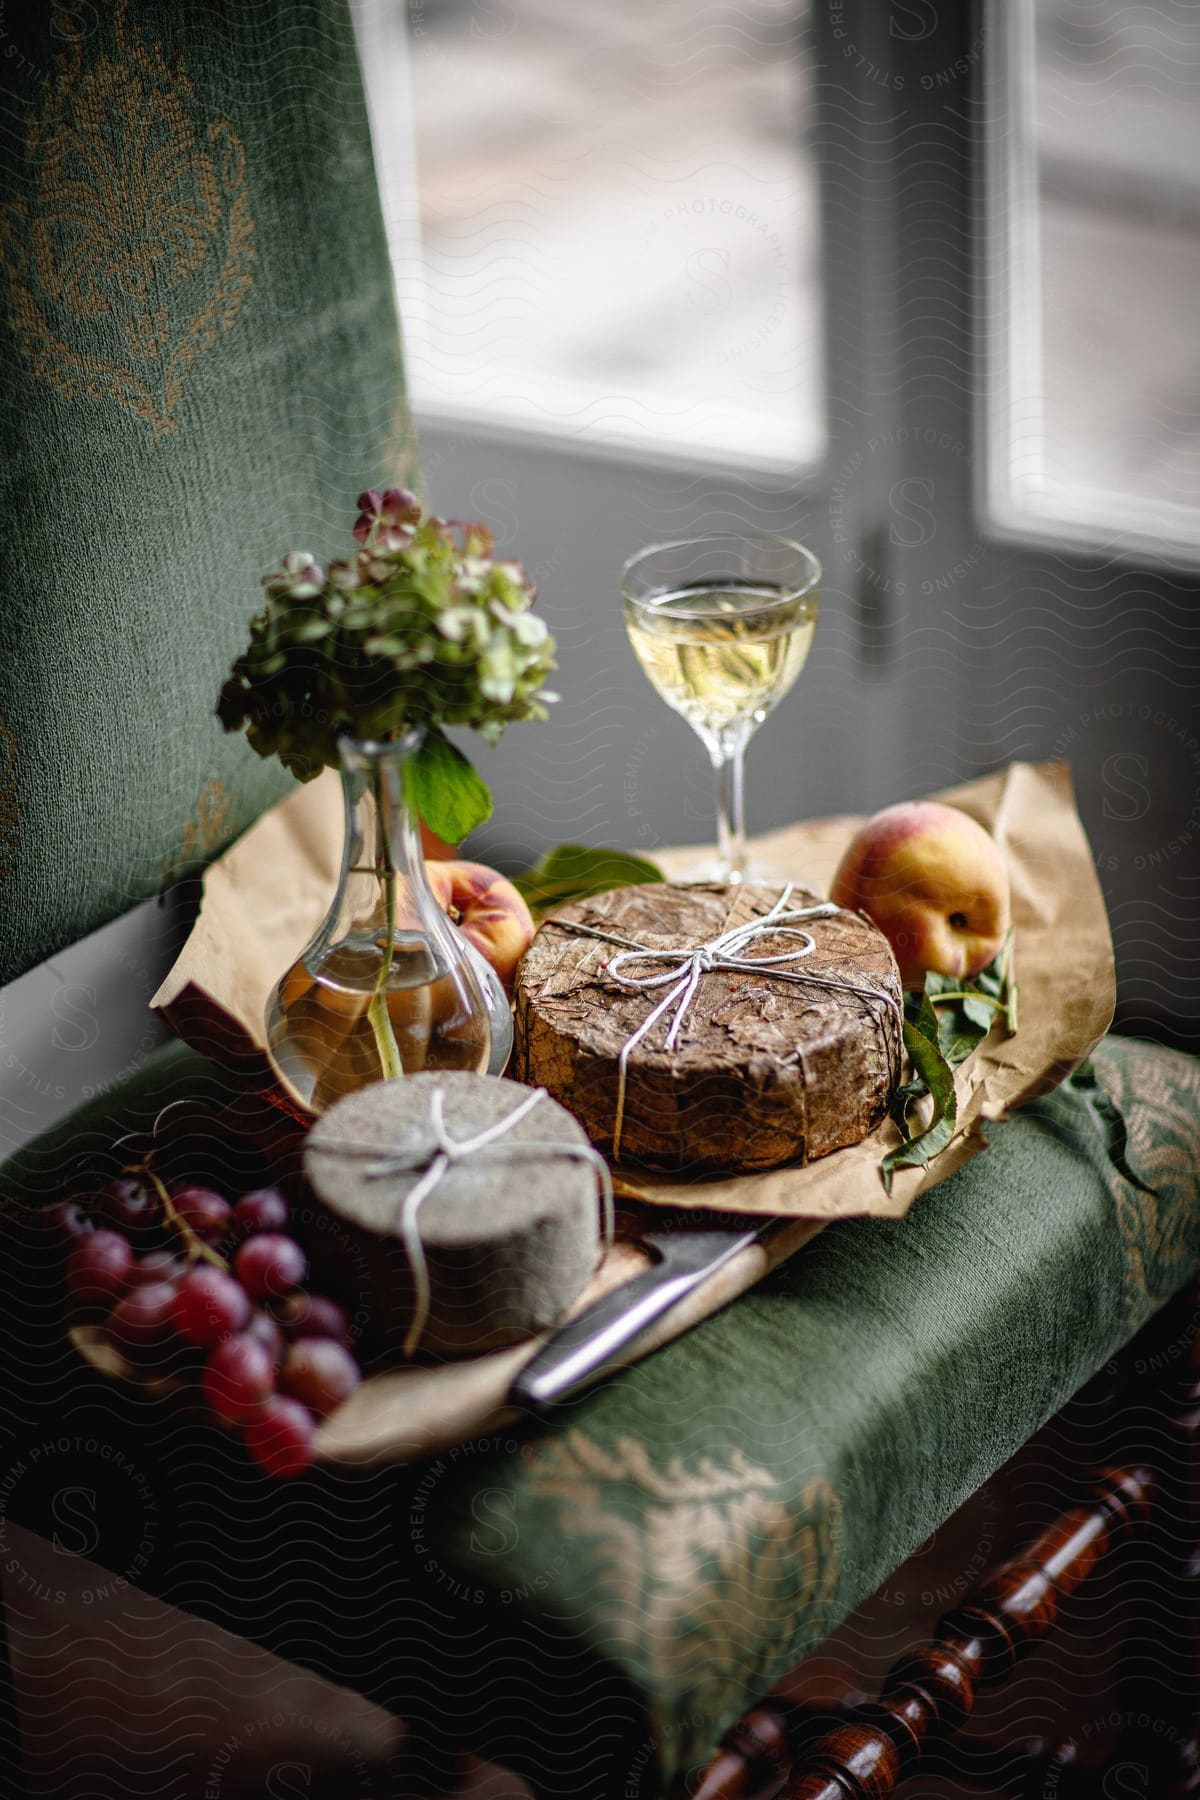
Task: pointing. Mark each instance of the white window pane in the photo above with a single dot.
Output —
(1118, 139)
(1092, 272)
(619, 220)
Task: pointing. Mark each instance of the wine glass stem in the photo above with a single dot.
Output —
(727, 762)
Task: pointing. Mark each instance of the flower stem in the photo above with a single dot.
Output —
(377, 1010)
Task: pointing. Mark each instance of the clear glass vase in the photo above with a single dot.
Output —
(388, 985)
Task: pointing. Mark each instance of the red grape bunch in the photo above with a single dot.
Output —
(187, 1284)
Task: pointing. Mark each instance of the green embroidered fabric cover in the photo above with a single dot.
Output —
(594, 1597)
(728, 1502)
(199, 369)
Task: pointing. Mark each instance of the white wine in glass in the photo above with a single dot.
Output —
(722, 627)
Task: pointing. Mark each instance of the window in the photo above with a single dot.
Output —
(1096, 359)
(617, 221)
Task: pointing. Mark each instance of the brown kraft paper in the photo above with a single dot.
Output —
(265, 897)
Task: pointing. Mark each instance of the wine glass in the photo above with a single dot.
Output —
(722, 626)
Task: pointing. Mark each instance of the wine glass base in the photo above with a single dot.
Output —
(713, 873)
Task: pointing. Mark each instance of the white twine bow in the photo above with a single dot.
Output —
(433, 1165)
(691, 963)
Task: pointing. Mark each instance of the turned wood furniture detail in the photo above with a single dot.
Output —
(861, 1750)
(931, 1691)
(1179, 1594)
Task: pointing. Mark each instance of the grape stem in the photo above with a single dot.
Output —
(194, 1246)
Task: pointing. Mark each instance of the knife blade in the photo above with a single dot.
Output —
(686, 1255)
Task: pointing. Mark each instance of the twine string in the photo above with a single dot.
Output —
(688, 964)
(431, 1166)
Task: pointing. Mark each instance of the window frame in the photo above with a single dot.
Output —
(1009, 428)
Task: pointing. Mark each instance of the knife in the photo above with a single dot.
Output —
(686, 1255)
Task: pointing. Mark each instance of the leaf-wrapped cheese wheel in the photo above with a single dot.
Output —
(768, 1068)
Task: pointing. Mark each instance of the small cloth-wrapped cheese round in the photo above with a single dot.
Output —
(764, 1070)
(508, 1235)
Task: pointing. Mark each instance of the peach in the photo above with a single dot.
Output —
(487, 909)
(434, 848)
(934, 882)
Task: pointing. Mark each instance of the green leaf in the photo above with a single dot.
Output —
(967, 1007)
(902, 1099)
(576, 871)
(942, 1026)
(446, 791)
(302, 631)
(936, 1077)
(1108, 1116)
(980, 1013)
(955, 1040)
(919, 1012)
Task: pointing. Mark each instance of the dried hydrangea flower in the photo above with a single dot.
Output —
(420, 627)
